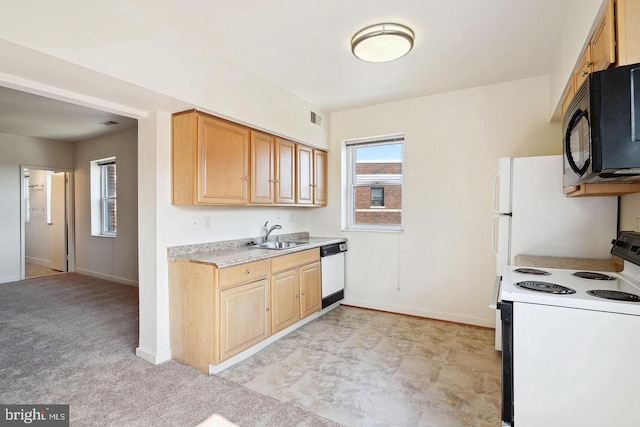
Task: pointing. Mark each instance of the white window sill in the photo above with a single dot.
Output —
(105, 235)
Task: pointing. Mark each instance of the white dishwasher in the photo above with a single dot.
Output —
(333, 274)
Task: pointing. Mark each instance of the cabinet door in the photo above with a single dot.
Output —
(262, 168)
(320, 177)
(603, 48)
(244, 317)
(568, 97)
(223, 161)
(310, 289)
(583, 70)
(304, 164)
(285, 300)
(285, 171)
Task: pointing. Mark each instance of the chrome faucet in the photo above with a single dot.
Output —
(268, 231)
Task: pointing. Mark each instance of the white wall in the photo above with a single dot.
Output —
(17, 151)
(112, 258)
(37, 235)
(442, 265)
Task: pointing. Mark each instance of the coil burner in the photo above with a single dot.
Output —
(591, 275)
(614, 295)
(533, 271)
(550, 288)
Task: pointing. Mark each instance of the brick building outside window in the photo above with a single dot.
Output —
(378, 204)
(375, 169)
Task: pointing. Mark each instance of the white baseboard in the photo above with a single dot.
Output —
(154, 358)
(38, 261)
(107, 277)
(487, 323)
(9, 279)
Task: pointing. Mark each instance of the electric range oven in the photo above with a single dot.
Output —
(571, 342)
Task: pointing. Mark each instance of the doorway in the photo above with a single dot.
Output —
(46, 219)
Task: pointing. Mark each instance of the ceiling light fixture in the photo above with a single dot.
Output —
(382, 42)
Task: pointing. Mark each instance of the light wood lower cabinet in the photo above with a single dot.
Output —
(244, 317)
(295, 288)
(216, 313)
(285, 297)
(310, 289)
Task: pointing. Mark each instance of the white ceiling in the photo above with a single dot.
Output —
(304, 48)
(25, 114)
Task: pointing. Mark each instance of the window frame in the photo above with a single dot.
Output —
(351, 184)
(101, 198)
(106, 197)
(381, 199)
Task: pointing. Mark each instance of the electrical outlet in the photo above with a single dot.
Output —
(207, 222)
(195, 222)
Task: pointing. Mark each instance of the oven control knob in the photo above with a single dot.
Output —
(635, 249)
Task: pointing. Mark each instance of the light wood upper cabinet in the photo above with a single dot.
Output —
(210, 160)
(304, 162)
(320, 177)
(285, 188)
(218, 162)
(603, 42)
(244, 317)
(311, 176)
(262, 167)
(583, 69)
(600, 53)
(627, 23)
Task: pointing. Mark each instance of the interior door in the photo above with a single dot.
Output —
(58, 229)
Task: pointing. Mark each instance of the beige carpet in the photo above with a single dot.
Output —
(70, 339)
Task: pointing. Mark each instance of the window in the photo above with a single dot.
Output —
(374, 183)
(377, 197)
(104, 202)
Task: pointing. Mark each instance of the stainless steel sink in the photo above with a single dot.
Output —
(279, 245)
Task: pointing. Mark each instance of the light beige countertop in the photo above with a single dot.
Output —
(233, 252)
(613, 264)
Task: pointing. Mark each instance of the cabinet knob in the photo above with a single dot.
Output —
(247, 272)
(589, 64)
(585, 73)
(267, 308)
(302, 294)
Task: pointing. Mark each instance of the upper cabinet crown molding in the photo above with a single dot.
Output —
(218, 162)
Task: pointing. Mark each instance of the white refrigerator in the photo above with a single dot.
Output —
(532, 216)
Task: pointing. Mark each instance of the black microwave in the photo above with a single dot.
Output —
(601, 129)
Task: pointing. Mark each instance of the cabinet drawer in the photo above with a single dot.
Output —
(287, 262)
(243, 273)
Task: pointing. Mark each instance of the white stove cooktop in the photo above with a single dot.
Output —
(625, 281)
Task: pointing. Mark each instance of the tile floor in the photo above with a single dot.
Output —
(368, 368)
